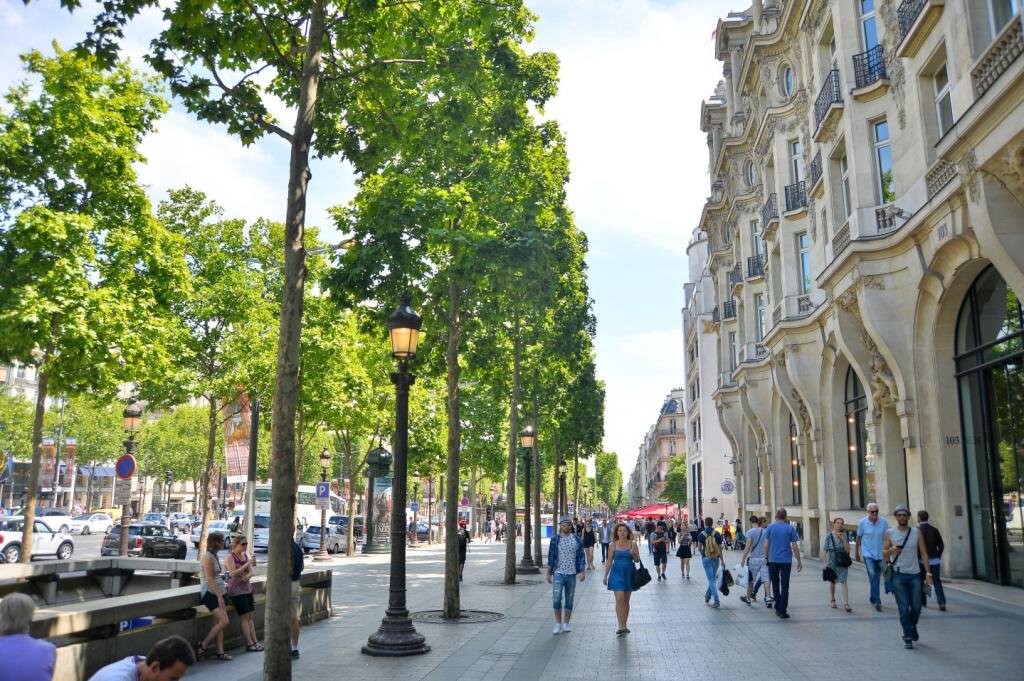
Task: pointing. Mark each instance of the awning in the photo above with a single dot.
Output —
(652, 511)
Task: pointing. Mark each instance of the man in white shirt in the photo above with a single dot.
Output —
(606, 539)
(168, 660)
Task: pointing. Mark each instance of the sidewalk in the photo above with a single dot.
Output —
(671, 630)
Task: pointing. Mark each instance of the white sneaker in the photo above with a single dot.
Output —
(567, 627)
(557, 630)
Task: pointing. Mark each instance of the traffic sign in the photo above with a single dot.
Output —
(122, 492)
(728, 486)
(323, 495)
(414, 507)
(125, 466)
(465, 501)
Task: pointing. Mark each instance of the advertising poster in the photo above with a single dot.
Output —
(382, 509)
(70, 448)
(236, 439)
(47, 468)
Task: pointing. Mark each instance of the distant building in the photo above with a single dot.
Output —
(664, 440)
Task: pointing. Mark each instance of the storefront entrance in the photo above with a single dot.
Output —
(990, 373)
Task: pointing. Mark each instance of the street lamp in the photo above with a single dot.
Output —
(132, 416)
(416, 507)
(561, 489)
(396, 635)
(325, 464)
(526, 439)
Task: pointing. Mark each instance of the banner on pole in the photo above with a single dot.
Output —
(236, 439)
(47, 468)
(70, 449)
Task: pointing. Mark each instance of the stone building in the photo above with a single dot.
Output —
(865, 245)
(663, 440)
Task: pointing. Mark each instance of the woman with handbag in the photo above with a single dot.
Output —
(618, 573)
(837, 559)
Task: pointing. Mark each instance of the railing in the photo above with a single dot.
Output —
(804, 304)
(841, 240)
(770, 211)
(729, 309)
(816, 169)
(725, 380)
(714, 315)
(796, 196)
(907, 14)
(735, 276)
(869, 67)
(885, 219)
(830, 94)
(939, 175)
(755, 266)
(1004, 51)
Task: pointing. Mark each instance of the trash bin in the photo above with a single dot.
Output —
(549, 531)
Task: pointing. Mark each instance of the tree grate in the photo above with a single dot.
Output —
(465, 617)
(518, 582)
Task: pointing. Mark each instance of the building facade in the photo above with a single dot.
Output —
(663, 440)
(865, 244)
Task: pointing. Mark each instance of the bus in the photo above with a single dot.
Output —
(306, 512)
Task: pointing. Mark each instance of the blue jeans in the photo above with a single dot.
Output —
(908, 600)
(710, 569)
(604, 551)
(562, 584)
(874, 568)
(779, 573)
(940, 595)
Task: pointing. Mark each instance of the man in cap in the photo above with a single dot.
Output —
(905, 550)
(566, 564)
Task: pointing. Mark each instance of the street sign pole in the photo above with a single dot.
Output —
(124, 469)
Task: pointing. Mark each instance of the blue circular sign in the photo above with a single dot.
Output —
(125, 466)
(414, 506)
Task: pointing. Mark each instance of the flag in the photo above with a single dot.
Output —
(8, 472)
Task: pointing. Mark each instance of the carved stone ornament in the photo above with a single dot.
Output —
(868, 281)
(780, 359)
(883, 383)
(967, 167)
(847, 300)
(893, 64)
(812, 219)
(802, 413)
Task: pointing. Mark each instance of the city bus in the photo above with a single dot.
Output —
(306, 512)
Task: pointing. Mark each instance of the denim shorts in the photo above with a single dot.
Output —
(562, 584)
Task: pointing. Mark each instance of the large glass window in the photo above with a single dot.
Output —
(860, 458)
(869, 29)
(883, 161)
(943, 101)
(755, 236)
(999, 13)
(759, 312)
(844, 187)
(794, 462)
(733, 351)
(803, 253)
(796, 161)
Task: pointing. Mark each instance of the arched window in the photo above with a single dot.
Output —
(861, 459)
(794, 462)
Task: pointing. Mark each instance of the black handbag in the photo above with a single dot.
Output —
(640, 576)
(843, 558)
(828, 575)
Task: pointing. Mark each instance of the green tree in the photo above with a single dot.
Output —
(85, 273)
(609, 479)
(177, 441)
(675, 481)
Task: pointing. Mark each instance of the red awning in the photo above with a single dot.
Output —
(652, 511)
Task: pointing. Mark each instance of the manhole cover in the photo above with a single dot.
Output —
(465, 617)
(518, 582)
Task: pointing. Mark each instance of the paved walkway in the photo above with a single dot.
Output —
(977, 638)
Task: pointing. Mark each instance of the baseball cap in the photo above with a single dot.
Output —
(564, 519)
(901, 509)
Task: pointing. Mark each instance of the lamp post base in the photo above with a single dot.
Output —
(396, 637)
(321, 556)
(527, 567)
(376, 548)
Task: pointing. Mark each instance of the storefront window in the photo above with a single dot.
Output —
(794, 462)
(861, 458)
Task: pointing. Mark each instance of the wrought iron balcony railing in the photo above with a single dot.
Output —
(907, 14)
(729, 309)
(830, 94)
(816, 169)
(735, 276)
(755, 266)
(869, 67)
(796, 196)
(770, 211)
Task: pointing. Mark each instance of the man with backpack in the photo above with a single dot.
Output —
(710, 543)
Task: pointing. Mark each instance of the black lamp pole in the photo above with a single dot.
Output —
(321, 555)
(526, 565)
(396, 635)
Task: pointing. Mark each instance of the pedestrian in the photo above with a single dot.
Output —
(753, 558)
(168, 660)
(871, 531)
(211, 594)
(934, 545)
(589, 540)
(905, 552)
(649, 534)
(463, 535)
(727, 534)
(835, 545)
(23, 657)
(684, 553)
(780, 548)
(606, 538)
(710, 544)
(764, 578)
(618, 574)
(566, 564)
(489, 532)
(660, 550)
(298, 563)
(240, 567)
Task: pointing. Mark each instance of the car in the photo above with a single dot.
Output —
(57, 518)
(45, 540)
(148, 540)
(334, 541)
(87, 523)
(222, 526)
(421, 531)
(341, 521)
(114, 513)
(153, 517)
(181, 522)
(260, 532)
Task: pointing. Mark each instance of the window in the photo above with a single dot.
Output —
(755, 236)
(804, 257)
(943, 102)
(999, 13)
(794, 462)
(733, 351)
(860, 459)
(787, 81)
(883, 162)
(844, 188)
(759, 312)
(750, 174)
(833, 54)
(869, 30)
(796, 160)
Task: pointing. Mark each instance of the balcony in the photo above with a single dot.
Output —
(729, 309)
(735, 276)
(753, 352)
(770, 211)
(725, 380)
(714, 315)
(815, 171)
(828, 104)
(869, 67)
(755, 266)
(885, 220)
(841, 240)
(939, 175)
(796, 196)
(1004, 51)
(916, 19)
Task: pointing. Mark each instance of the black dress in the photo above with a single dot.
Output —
(589, 538)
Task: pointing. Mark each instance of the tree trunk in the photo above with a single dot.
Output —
(513, 435)
(576, 481)
(537, 557)
(195, 495)
(473, 498)
(33, 471)
(277, 662)
(452, 603)
(205, 501)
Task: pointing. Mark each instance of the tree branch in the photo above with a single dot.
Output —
(230, 91)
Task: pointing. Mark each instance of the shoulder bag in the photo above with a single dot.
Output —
(640, 576)
(889, 571)
(843, 558)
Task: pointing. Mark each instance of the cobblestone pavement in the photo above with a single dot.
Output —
(672, 632)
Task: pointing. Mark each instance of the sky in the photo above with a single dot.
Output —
(633, 75)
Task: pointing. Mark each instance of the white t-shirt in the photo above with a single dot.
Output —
(122, 670)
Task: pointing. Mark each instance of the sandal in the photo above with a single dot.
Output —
(201, 652)
(847, 608)
(254, 648)
(224, 656)
(833, 604)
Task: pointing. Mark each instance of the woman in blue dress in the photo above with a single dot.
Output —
(618, 573)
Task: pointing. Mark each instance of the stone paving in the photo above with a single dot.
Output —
(674, 636)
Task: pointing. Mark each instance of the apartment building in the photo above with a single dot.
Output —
(665, 439)
(864, 243)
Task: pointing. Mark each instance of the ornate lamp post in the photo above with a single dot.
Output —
(526, 565)
(378, 465)
(416, 508)
(396, 635)
(132, 415)
(325, 464)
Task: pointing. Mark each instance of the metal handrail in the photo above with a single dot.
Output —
(816, 169)
(796, 196)
(770, 211)
(830, 94)
(907, 14)
(869, 66)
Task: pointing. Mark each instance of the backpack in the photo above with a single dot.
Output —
(712, 549)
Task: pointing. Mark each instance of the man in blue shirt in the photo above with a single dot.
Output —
(871, 532)
(780, 548)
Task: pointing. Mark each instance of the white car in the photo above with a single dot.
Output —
(92, 523)
(334, 542)
(261, 532)
(45, 541)
(57, 518)
(222, 526)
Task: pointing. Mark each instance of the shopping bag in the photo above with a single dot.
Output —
(740, 574)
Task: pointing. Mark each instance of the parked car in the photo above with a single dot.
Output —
(260, 532)
(180, 522)
(88, 523)
(341, 521)
(334, 541)
(45, 540)
(421, 531)
(114, 513)
(222, 526)
(148, 540)
(57, 518)
(158, 518)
